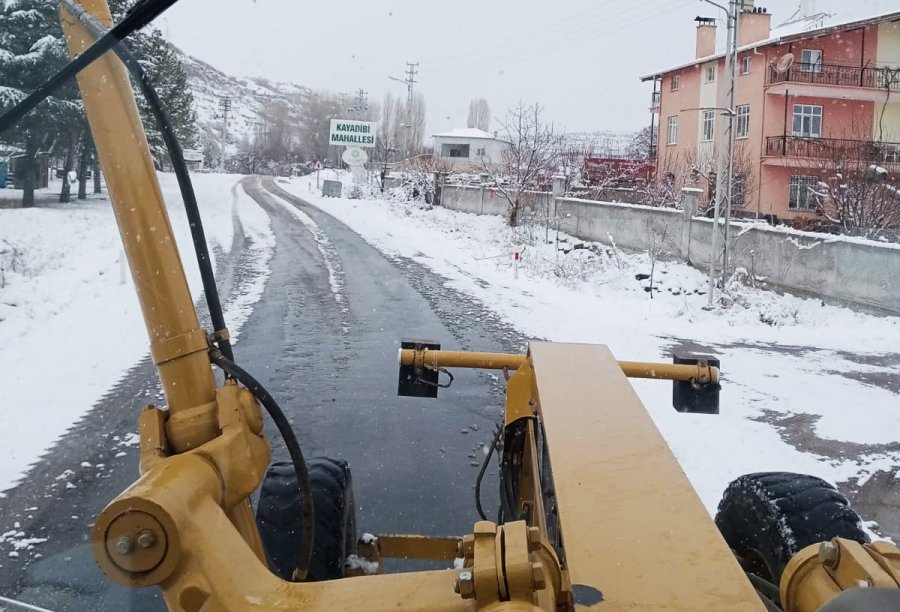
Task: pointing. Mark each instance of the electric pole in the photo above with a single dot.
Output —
(726, 141)
(224, 108)
(412, 70)
(361, 105)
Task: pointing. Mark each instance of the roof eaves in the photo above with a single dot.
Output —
(776, 40)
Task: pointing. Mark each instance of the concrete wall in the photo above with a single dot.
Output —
(488, 201)
(850, 270)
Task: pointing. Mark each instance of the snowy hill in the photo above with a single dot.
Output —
(248, 97)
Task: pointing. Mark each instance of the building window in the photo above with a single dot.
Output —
(803, 193)
(807, 121)
(745, 65)
(709, 125)
(676, 82)
(673, 130)
(811, 60)
(743, 121)
(454, 150)
(710, 74)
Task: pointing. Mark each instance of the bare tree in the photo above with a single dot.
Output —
(657, 246)
(529, 158)
(479, 114)
(854, 193)
(573, 154)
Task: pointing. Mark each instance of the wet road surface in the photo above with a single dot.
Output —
(323, 338)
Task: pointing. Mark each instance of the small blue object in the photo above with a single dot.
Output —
(4, 168)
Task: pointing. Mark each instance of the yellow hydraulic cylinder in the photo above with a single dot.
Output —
(177, 343)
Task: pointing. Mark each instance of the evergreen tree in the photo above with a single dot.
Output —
(166, 73)
(32, 49)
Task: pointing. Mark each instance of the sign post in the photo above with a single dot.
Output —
(354, 136)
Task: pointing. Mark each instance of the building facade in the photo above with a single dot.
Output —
(468, 149)
(805, 100)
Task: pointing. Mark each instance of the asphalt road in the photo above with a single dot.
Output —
(323, 339)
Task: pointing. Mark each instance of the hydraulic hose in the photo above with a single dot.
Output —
(182, 174)
(307, 511)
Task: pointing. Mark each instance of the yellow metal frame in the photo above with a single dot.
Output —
(631, 533)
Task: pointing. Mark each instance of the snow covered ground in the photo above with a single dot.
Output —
(782, 356)
(70, 323)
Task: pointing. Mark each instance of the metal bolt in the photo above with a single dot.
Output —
(146, 538)
(829, 555)
(465, 584)
(124, 546)
(537, 576)
(534, 539)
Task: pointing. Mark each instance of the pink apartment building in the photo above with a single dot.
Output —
(801, 97)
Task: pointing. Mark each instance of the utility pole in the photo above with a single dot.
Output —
(725, 166)
(224, 108)
(361, 105)
(412, 70)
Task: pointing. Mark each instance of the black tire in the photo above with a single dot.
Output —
(278, 518)
(768, 517)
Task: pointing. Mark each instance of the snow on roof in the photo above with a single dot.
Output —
(465, 133)
(793, 29)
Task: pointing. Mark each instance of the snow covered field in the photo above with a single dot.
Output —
(70, 323)
(784, 358)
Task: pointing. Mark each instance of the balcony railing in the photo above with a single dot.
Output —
(840, 76)
(834, 148)
(654, 100)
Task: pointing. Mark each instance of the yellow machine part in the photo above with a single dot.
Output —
(818, 573)
(632, 533)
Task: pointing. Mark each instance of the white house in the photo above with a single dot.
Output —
(468, 148)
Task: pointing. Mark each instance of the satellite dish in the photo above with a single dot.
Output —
(785, 63)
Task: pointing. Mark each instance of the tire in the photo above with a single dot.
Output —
(766, 518)
(279, 522)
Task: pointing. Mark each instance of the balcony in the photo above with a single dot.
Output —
(654, 101)
(867, 151)
(871, 83)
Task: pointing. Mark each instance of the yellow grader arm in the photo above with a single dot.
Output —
(625, 530)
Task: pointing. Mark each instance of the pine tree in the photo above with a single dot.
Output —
(32, 49)
(166, 73)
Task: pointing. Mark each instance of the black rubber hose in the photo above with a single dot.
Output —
(481, 472)
(140, 15)
(307, 511)
(182, 174)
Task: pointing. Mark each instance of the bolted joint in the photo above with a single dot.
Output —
(465, 584)
(466, 548)
(829, 555)
(124, 546)
(146, 539)
(538, 578)
(534, 539)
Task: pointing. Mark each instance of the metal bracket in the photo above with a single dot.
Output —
(416, 380)
(692, 396)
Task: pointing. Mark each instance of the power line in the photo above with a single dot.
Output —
(579, 35)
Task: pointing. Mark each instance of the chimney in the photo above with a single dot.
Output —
(754, 25)
(706, 36)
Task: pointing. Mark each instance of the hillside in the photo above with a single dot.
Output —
(248, 97)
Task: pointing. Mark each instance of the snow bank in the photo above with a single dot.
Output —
(69, 326)
(780, 354)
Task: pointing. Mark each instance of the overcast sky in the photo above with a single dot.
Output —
(579, 58)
